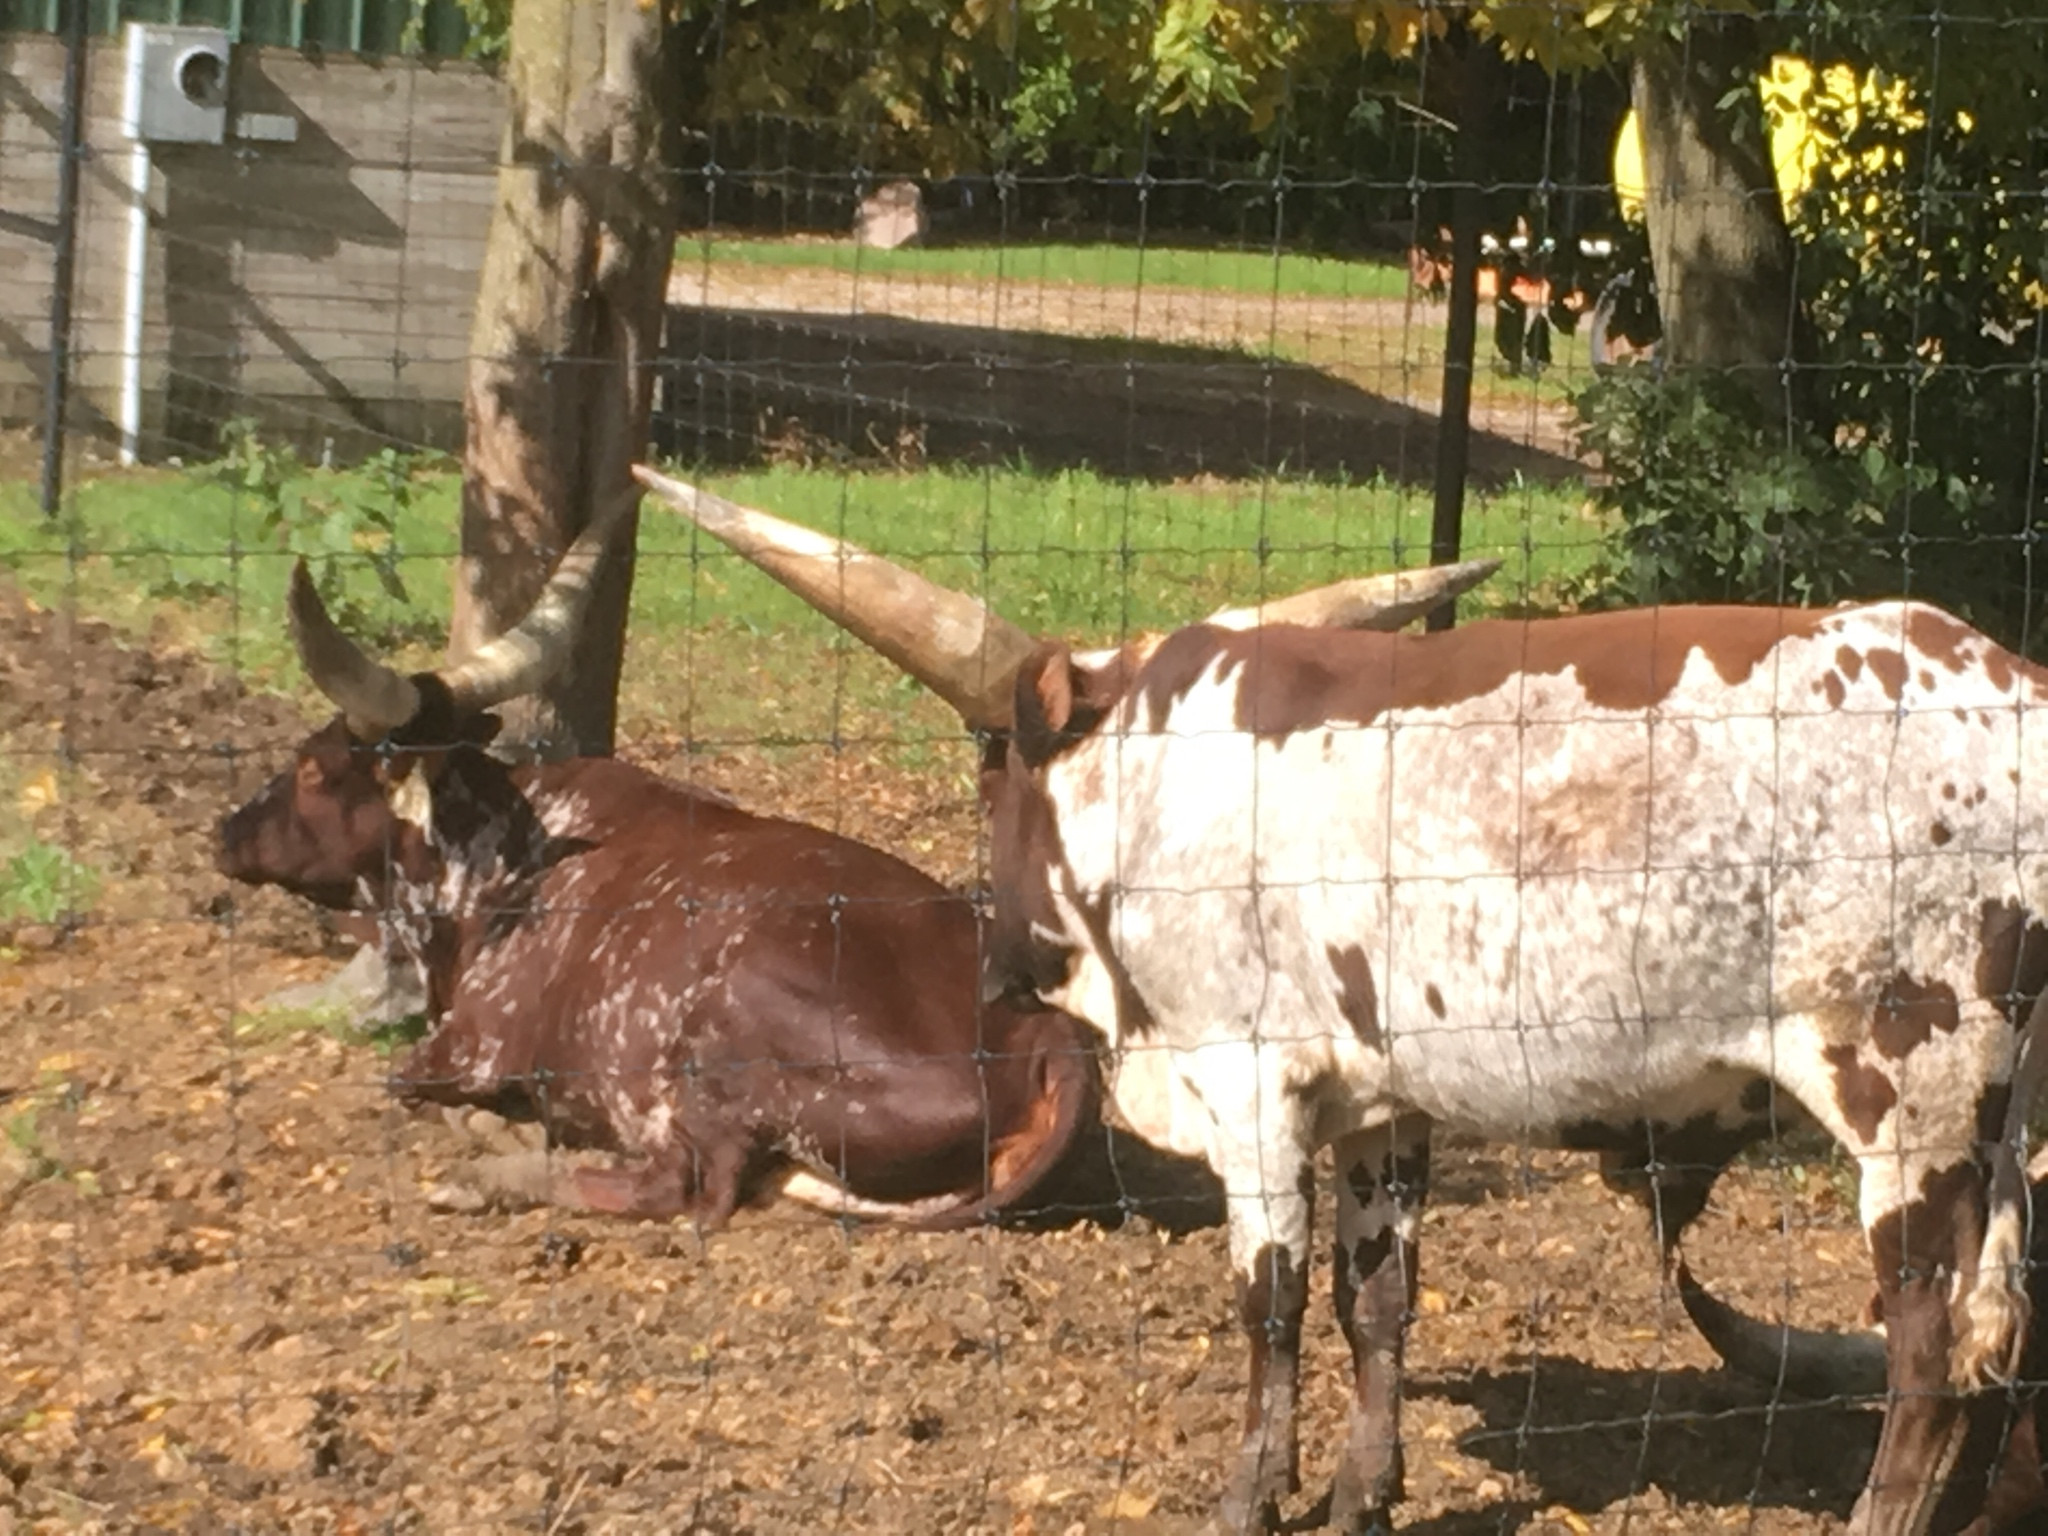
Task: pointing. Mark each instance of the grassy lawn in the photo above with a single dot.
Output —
(1094, 266)
(719, 651)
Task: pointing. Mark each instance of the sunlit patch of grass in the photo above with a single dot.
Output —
(21, 1144)
(1106, 265)
(718, 651)
(42, 882)
(264, 1027)
(25, 1152)
(186, 551)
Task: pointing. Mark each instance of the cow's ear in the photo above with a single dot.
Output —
(1044, 702)
(1058, 702)
(408, 780)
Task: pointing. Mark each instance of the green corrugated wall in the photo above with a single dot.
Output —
(341, 26)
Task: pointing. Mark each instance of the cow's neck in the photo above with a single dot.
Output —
(465, 878)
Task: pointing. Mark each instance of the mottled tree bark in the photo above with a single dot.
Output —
(568, 323)
(1719, 244)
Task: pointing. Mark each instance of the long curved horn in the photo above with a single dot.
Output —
(956, 646)
(1809, 1362)
(524, 657)
(372, 697)
(1365, 602)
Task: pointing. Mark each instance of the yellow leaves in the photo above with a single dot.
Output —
(1564, 34)
(150, 1409)
(1396, 27)
(998, 16)
(1037, 1490)
(166, 1453)
(38, 793)
(448, 1291)
(1127, 1504)
(1809, 117)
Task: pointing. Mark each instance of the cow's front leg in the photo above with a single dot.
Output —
(1268, 1180)
(1917, 1247)
(1382, 1178)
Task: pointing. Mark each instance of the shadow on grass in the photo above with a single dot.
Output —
(862, 385)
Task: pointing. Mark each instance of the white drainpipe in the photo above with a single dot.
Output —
(135, 272)
(134, 294)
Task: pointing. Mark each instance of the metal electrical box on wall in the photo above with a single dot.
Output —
(177, 84)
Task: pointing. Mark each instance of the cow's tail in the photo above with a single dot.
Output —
(1995, 1311)
(1806, 1362)
(835, 1199)
(1067, 1100)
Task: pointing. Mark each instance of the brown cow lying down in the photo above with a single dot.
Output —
(737, 1003)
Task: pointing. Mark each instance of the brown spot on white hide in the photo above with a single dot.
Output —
(1293, 679)
(1889, 668)
(1862, 1092)
(1909, 1012)
(1357, 995)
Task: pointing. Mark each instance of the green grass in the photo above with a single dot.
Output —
(42, 883)
(1095, 266)
(261, 1027)
(186, 549)
(1070, 554)
(1092, 559)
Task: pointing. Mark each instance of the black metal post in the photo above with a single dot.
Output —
(58, 388)
(1471, 164)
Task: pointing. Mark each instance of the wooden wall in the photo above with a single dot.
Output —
(323, 286)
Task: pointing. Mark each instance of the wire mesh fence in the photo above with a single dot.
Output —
(586, 1198)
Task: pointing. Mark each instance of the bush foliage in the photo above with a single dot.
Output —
(1923, 265)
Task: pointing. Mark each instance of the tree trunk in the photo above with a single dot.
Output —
(1719, 245)
(568, 323)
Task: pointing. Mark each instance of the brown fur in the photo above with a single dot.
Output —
(713, 993)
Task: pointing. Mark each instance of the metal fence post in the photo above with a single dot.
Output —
(58, 387)
(1480, 83)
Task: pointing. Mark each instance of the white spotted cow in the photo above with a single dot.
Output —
(1586, 881)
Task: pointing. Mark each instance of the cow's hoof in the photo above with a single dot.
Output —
(1373, 1520)
(1361, 1516)
(1363, 1497)
(1251, 1502)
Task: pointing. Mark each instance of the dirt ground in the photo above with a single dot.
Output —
(225, 1303)
(1161, 383)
